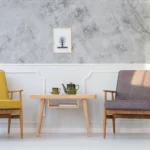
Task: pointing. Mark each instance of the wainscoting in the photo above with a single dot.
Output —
(92, 78)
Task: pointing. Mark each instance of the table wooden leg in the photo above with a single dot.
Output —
(40, 117)
(84, 101)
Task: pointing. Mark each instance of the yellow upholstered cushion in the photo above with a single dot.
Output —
(10, 104)
(3, 86)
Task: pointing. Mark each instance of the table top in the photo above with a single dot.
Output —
(63, 96)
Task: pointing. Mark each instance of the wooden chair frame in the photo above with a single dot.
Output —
(13, 113)
(129, 114)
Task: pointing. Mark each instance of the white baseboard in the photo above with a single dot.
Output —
(76, 130)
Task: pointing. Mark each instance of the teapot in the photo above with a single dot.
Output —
(71, 88)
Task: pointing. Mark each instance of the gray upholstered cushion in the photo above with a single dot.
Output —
(128, 104)
(133, 85)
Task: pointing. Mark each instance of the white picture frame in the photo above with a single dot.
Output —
(62, 40)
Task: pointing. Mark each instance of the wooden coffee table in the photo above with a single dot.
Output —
(82, 97)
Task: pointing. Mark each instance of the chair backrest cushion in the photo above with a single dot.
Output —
(133, 85)
(3, 86)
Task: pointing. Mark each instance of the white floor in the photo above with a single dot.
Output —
(75, 142)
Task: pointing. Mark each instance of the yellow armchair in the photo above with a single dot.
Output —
(9, 108)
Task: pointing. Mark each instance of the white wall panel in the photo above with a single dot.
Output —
(39, 79)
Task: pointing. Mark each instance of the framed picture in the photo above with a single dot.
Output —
(62, 40)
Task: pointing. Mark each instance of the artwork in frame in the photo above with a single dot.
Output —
(62, 40)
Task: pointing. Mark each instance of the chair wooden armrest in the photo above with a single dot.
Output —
(109, 91)
(14, 91)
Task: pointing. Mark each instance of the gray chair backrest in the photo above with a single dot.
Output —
(133, 85)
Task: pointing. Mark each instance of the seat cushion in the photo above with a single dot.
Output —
(10, 104)
(128, 104)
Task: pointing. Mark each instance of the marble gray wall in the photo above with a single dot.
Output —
(103, 31)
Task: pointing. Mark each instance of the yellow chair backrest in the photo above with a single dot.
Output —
(3, 86)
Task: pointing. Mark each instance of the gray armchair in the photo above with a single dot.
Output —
(131, 98)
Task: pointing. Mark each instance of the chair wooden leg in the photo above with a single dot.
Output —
(113, 122)
(21, 123)
(9, 124)
(104, 124)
